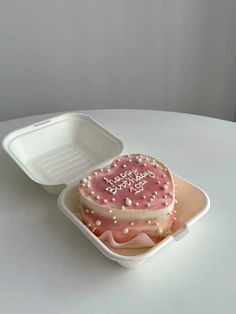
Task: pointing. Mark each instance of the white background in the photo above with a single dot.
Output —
(60, 55)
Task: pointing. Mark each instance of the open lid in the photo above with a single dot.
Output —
(62, 149)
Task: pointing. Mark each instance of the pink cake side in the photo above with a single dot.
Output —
(134, 194)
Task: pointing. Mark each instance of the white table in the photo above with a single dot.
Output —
(48, 266)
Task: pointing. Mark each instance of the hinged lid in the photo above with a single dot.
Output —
(60, 150)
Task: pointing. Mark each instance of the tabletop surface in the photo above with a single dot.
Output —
(48, 266)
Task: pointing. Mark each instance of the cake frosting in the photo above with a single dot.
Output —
(133, 195)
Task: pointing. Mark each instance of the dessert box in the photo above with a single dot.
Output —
(57, 152)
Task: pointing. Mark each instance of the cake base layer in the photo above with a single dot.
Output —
(124, 230)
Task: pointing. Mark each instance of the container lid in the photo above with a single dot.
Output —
(62, 149)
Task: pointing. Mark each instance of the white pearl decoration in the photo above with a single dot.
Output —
(128, 201)
(125, 230)
(164, 187)
(85, 180)
(98, 222)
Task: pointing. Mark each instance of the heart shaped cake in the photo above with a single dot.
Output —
(134, 195)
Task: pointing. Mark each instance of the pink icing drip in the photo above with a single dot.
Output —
(147, 226)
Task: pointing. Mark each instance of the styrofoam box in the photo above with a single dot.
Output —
(57, 152)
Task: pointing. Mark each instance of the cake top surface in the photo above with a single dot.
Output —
(134, 182)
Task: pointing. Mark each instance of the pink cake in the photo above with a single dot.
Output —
(134, 195)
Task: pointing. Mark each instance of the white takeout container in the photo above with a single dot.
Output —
(57, 152)
(60, 150)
